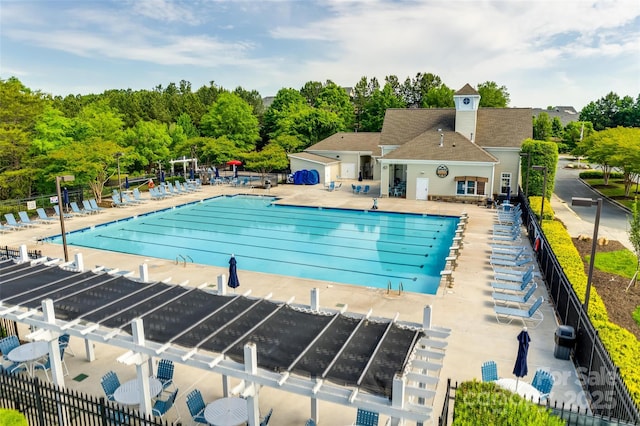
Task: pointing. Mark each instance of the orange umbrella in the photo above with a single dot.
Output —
(234, 163)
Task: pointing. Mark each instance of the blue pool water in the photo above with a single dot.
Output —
(345, 246)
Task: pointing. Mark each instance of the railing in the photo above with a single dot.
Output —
(607, 392)
(7, 252)
(45, 404)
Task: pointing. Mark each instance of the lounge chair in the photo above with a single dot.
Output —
(12, 223)
(94, 205)
(4, 229)
(76, 210)
(510, 263)
(520, 299)
(125, 197)
(543, 381)
(87, 207)
(118, 202)
(513, 286)
(509, 253)
(155, 194)
(164, 191)
(172, 189)
(138, 196)
(24, 218)
(489, 371)
(506, 315)
(65, 215)
(42, 216)
(512, 275)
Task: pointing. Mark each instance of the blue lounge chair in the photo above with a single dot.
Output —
(76, 210)
(42, 216)
(87, 207)
(57, 210)
(520, 299)
(94, 205)
(512, 275)
(155, 194)
(510, 263)
(543, 381)
(513, 286)
(12, 223)
(128, 200)
(138, 196)
(24, 218)
(506, 315)
(489, 371)
(196, 406)
(117, 201)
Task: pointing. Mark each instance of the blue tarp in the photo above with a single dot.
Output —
(306, 177)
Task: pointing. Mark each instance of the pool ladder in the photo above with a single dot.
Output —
(184, 259)
(390, 288)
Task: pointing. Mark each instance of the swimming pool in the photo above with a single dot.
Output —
(345, 246)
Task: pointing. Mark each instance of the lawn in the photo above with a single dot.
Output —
(614, 190)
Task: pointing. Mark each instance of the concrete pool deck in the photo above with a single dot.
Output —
(466, 308)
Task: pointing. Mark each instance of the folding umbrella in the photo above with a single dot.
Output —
(126, 182)
(233, 282)
(217, 173)
(162, 176)
(192, 174)
(520, 369)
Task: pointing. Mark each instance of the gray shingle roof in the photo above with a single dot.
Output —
(347, 141)
(467, 90)
(427, 147)
(314, 158)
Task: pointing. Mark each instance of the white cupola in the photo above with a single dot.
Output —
(467, 101)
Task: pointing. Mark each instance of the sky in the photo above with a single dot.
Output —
(545, 52)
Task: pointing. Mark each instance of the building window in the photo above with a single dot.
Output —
(505, 182)
(470, 187)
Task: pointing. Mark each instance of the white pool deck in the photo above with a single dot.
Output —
(466, 308)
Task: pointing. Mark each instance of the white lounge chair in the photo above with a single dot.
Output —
(506, 315)
(519, 299)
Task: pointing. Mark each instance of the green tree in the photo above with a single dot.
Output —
(286, 100)
(634, 236)
(612, 111)
(376, 107)
(334, 98)
(492, 96)
(627, 155)
(52, 130)
(440, 97)
(288, 143)
(190, 130)
(149, 142)
(542, 128)
(600, 148)
(311, 91)
(574, 132)
(253, 98)
(20, 109)
(98, 120)
(271, 157)
(217, 151)
(232, 117)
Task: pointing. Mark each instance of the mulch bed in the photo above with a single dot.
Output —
(610, 288)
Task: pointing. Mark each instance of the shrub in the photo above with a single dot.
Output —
(597, 174)
(12, 418)
(536, 204)
(487, 404)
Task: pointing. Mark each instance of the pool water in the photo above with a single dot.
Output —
(358, 247)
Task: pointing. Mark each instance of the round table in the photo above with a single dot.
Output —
(227, 412)
(28, 353)
(523, 389)
(128, 393)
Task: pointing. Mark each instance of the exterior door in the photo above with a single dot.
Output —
(348, 170)
(422, 188)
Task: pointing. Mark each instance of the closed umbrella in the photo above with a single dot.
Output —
(234, 282)
(126, 182)
(520, 369)
(65, 198)
(162, 176)
(217, 173)
(192, 174)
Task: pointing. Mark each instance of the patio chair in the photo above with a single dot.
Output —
(8, 344)
(63, 340)
(87, 207)
(155, 194)
(266, 418)
(358, 189)
(331, 186)
(162, 406)
(46, 365)
(110, 383)
(94, 205)
(366, 189)
(76, 209)
(310, 422)
(489, 371)
(543, 381)
(56, 209)
(125, 197)
(512, 286)
(42, 216)
(510, 263)
(13, 223)
(196, 406)
(506, 315)
(115, 197)
(353, 188)
(24, 218)
(520, 299)
(366, 418)
(165, 373)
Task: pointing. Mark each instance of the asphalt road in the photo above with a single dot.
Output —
(614, 222)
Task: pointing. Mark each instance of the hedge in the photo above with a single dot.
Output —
(622, 345)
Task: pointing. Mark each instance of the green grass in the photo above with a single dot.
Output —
(615, 189)
(12, 418)
(636, 315)
(621, 262)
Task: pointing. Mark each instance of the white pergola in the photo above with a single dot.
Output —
(411, 398)
(184, 161)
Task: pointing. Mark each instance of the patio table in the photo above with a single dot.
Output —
(524, 389)
(227, 412)
(128, 393)
(28, 353)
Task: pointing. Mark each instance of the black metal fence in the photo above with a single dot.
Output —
(7, 252)
(573, 416)
(608, 394)
(45, 404)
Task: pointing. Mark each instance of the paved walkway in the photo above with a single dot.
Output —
(466, 308)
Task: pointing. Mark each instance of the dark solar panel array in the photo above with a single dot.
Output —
(345, 350)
